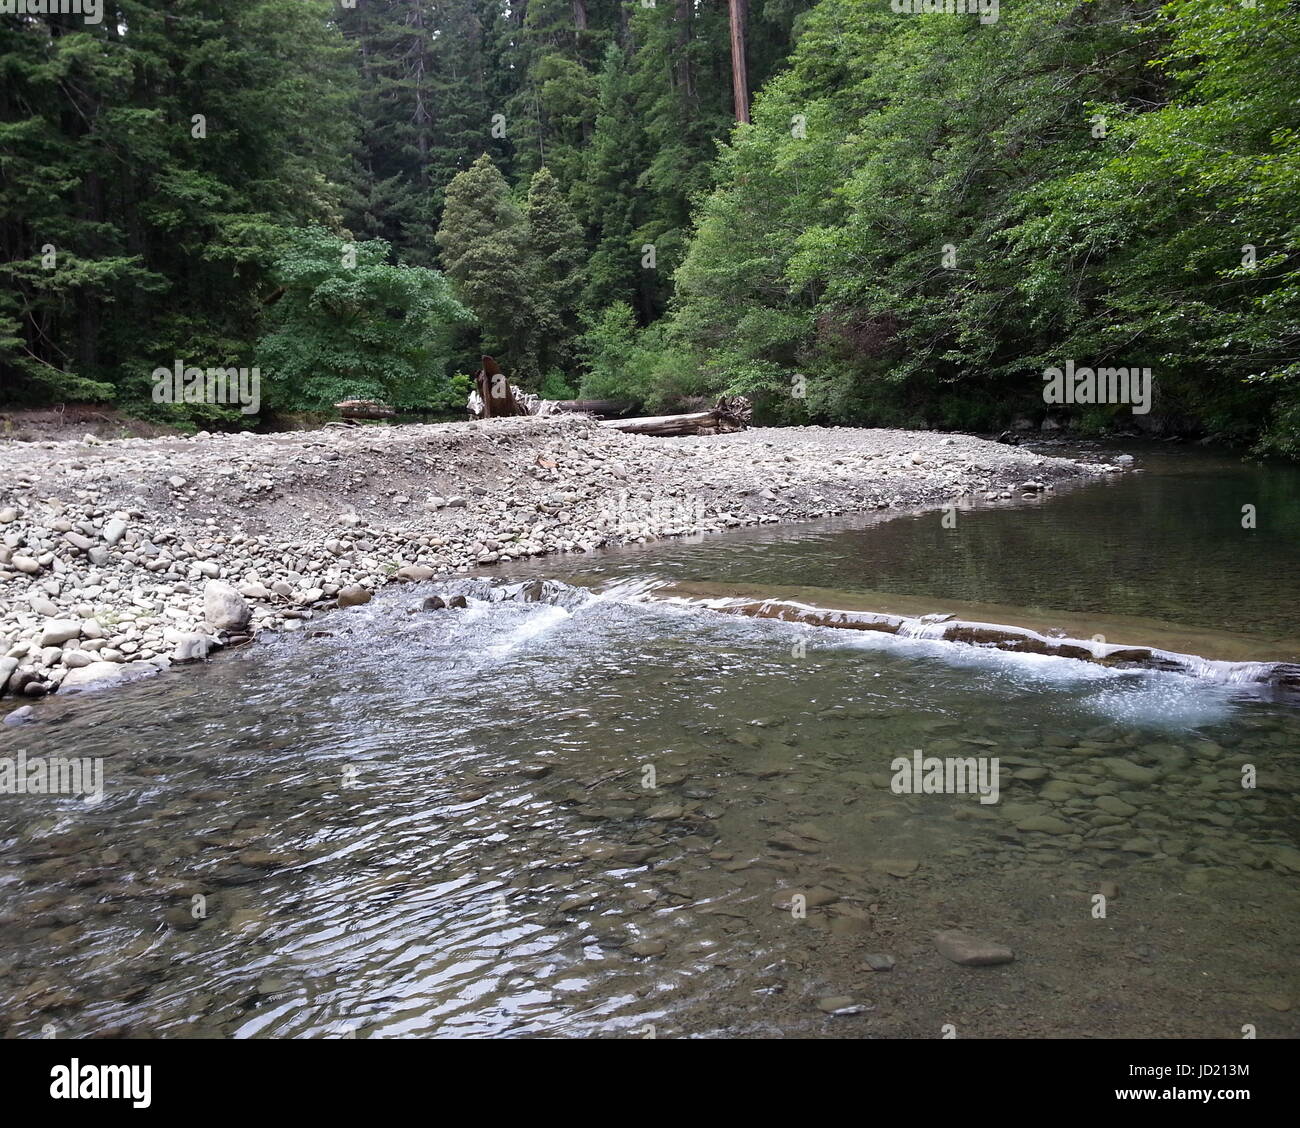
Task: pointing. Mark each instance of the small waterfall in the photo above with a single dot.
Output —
(1277, 677)
(925, 627)
(1244, 673)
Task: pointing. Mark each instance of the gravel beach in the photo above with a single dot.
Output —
(120, 557)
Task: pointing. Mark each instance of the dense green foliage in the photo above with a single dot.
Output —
(926, 212)
(1093, 172)
(160, 156)
(350, 325)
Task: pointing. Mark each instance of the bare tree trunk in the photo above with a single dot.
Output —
(683, 16)
(739, 78)
(494, 390)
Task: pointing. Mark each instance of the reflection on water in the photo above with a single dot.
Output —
(1164, 546)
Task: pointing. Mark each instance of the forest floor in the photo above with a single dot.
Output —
(73, 422)
(116, 541)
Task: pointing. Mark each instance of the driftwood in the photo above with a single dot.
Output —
(1282, 676)
(365, 409)
(494, 397)
(730, 413)
(601, 409)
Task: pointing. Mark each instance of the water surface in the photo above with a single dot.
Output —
(527, 819)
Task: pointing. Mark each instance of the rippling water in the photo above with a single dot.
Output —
(439, 824)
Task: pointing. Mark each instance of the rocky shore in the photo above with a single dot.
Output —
(119, 558)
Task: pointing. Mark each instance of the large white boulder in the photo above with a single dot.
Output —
(224, 608)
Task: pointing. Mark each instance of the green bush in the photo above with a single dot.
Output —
(352, 325)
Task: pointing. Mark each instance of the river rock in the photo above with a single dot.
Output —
(354, 595)
(666, 812)
(97, 675)
(181, 920)
(969, 950)
(224, 608)
(59, 631)
(415, 573)
(187, 646)
(1113, 805)
(1129, 771)
(1044, 824)
(813, 898)
(1285, 858)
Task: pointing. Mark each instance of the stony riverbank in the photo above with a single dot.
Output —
(118, 558)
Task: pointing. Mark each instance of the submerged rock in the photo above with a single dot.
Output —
(968, 950)
(101, 675)
(20, 716)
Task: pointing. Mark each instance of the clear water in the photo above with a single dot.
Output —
(437, 824)
(1163, 545)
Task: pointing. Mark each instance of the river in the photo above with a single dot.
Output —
(591, 818)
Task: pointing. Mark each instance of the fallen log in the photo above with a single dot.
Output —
(730, 413)
(1282, 676)
(364, 409)
(602, 409)
(697, 422)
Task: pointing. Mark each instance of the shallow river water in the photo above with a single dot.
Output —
(532, 819)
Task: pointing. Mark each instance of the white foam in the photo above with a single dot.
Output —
(532, 627)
